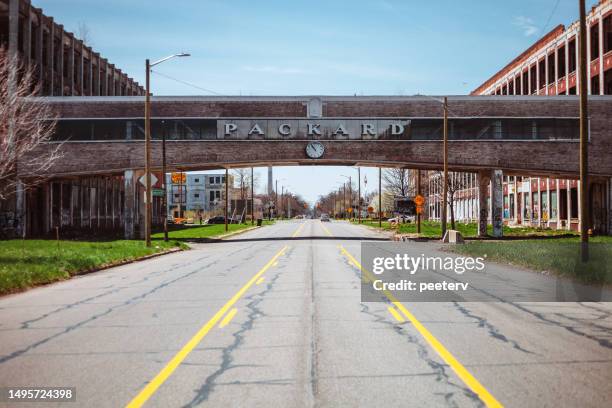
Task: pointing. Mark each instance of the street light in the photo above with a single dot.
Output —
(148, 192)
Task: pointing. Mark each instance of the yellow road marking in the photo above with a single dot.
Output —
(295, 234)
(275, 263)
(329, 234)
(465, 376)
(178, 358)
(260, 280)
(228, 318)
(396, 314)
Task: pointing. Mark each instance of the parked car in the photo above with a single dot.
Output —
(325, 218)
(219, 219)
(401, 219)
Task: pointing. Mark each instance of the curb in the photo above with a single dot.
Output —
(233, 233)
(127, 261)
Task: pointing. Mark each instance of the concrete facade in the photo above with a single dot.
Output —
(548, 68)
(63, 65)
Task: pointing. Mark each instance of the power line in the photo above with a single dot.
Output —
(550, 17)
(185, 83)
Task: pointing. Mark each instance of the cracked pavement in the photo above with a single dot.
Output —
(300, 336)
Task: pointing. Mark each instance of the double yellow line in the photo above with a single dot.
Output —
(465, 376)
(178, 358)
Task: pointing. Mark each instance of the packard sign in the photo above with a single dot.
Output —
(309, 129)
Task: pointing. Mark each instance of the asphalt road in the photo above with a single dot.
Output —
(273, 318)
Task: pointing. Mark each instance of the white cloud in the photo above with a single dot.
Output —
(526, 24)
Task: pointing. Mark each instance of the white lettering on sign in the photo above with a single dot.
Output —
(340, 130)
(229, 128)
(256, 129)
(284, 129)
(313, 129)
(368, 129)
(397, 129)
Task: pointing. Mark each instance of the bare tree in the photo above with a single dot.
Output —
(398, 182)
(83, 33)
(456, 181)
(242, 181)
(25, 124)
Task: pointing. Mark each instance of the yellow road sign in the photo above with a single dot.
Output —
(178, 178)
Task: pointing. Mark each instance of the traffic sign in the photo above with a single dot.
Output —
(178, 178)
(158, 192)
(370, 209)
(419, 200)
(419, 209)
(143, 180)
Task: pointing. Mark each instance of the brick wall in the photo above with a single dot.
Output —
(522, 157)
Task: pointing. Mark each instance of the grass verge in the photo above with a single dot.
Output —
(559, 256)
(27, 263)
(431, 229)
(196, 232)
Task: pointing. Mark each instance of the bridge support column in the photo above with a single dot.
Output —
(129, 204)
(484, 177)
(497, 202)
(20, 209)
(608, 205)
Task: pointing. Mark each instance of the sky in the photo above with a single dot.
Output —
(315, 47)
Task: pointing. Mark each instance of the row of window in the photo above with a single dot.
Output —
(213, 195)
(417, 129)
(535, 78)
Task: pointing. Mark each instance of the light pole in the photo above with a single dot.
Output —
(148, 192)
(445, 159)
(252, 198)
(584, 141)
(164, 181)
(359, 192)
(379, 197)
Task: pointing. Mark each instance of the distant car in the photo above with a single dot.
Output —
(219, 219)
(325, 218)
(401, 219)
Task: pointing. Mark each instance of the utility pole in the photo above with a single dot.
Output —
(584, 140)
(418, 185)
(252, 198)
(379, 197)
(359, 193)
(344, 200)
(281, 200)
(350, 197)
(165, 186)
(334, 211)
(148, 196)
(445, 181)
(226, 197)
(276, 198)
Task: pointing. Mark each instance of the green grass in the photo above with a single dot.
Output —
(430, 229)
(561, 256)
(27, 263)
(195, 232)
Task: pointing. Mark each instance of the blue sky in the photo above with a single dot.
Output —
(394, 47)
